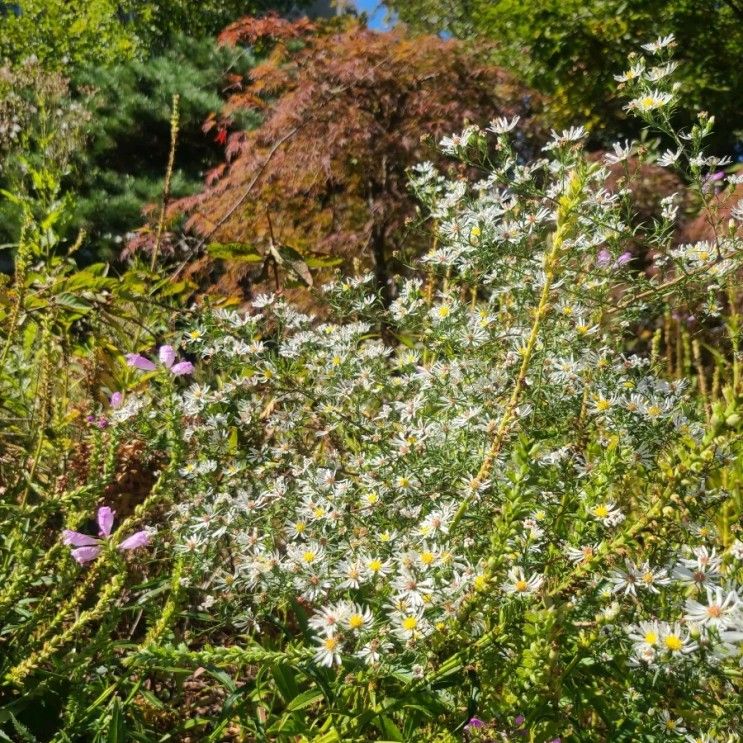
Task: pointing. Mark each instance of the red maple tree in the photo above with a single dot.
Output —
(346, 111)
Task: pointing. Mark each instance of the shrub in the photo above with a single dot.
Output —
(500, 525)
(345, 113)
(121, 170)
(66, 36)
(570, 51)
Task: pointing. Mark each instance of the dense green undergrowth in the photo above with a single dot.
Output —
(505, 505)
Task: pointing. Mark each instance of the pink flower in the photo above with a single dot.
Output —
(88, 548)
(166, 356)
(140, 362)
(603, 258)
(475, 722)
(117, 400)
(105, 521)
(181, 368)
(135, 541)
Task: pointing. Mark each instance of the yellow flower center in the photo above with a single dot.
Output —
(355, 621)
(521, 585)
(375, 566)
(409, 623)
(331, 643)
(601, 511)
(309, 556)
(651, 638)
(427, 558)
(673, 643)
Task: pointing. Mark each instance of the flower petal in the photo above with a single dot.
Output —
(105, 520)
(86, 554)
(136, 540)
(116, 400)
(181, 368)
(167, 356)
(76, 539)
(139, 362)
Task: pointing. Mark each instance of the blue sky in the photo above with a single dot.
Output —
(376, 11)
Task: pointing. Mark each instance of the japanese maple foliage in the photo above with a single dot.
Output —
(346, 112)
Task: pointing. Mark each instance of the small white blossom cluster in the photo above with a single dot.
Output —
(480, 457)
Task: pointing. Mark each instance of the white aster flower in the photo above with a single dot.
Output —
(502, 125)
(518, 583)
(719, 611)
(669, 157)
(661, 43)
(650, 101)
(328, 652)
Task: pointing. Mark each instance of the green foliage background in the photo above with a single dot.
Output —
(122, 168)
(64, 35)
(570, 50)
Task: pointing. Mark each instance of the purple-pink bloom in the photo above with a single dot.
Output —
(181, 368)
(88, 548)
(166, 355)
(475, 722)
(76, 539)
(603, 258)
(519, 720)
(105, 520)
(624, 258)
(136, 540)
(116, 400)
(140, 362)
(86, 554)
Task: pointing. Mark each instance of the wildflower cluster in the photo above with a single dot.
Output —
(504, 463)
(485, 499)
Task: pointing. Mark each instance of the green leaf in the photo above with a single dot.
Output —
(306, 699)
(323, 262)
(223, 677)
(233, 442)
(285, 681)
(387, 727)
(235, 252)
(116, 731)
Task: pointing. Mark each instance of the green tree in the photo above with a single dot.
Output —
(67, 34)
(129, 136)
(571, 50)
